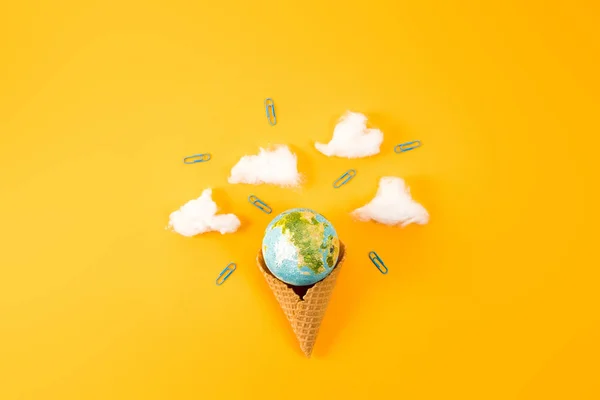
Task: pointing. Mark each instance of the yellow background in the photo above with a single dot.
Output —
(101, 100)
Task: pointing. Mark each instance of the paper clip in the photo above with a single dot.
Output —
(258, 203)
(345, 178)
(196, 158)
(270, 109)
(227, 271)
(401, 148)
(378, 262)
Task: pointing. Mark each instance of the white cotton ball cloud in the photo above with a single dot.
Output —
(392, 205)
(352, 139)
(278, 166)
(200, 216)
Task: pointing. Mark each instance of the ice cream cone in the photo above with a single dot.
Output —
(303, 308)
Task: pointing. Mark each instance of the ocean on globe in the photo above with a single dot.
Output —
(300, 247)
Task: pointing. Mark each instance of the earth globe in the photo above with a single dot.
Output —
(300, 247)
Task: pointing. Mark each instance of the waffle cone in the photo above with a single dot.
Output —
(306, 313)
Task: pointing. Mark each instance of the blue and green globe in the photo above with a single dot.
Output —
(300, 247)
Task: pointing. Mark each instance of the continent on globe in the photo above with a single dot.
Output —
(300, 247)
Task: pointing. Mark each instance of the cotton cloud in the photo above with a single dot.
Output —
(392, 205)
(352, 139)
(277, 167)
(200, 216)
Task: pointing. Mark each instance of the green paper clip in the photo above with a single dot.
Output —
(378, 262)
(401, 148)
(258, 203)
(270, 110)
(345, 178)
(196, 158)
(227, 271)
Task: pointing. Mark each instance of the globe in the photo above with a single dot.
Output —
(300, 247)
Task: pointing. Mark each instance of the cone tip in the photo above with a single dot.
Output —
(307, 350)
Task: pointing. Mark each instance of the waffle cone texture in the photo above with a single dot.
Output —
(304, 314)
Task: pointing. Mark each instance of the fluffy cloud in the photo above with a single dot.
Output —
(277, 167)
(392, 205)
(352, 139)
(200, 215)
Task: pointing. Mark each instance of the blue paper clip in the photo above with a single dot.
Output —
(401, 148)
(196, 158)
(227, 271)
(258, 203)
(345, 178)
(378, 262)
(270, 109)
